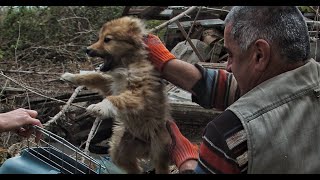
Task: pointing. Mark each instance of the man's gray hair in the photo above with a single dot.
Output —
(283, 27)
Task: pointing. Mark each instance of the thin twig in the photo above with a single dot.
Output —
(4, 87)
(317, 29)
(313, 22)
(189, 40)
(312, 8)
(92, 133)
(216, 9)
(6, 142)
(29, 72)
(29, 105)
(2, 74)
(64, 19)
(193, 24)
(181, 15)
(65, 107)
(15, 49)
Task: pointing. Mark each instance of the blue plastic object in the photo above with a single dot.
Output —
(110, 167)
(43, 160)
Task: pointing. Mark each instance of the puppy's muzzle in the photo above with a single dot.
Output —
(92, 53)
(108, 58)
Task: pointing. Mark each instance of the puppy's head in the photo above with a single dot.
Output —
(118, 38)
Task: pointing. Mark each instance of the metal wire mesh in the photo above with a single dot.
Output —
(61, 155)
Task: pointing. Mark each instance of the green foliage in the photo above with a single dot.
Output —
(305, 9)
(52, 33)
(154, 23)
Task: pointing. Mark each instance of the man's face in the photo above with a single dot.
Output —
(239, 63)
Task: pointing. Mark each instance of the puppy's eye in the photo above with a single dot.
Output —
(106, 40)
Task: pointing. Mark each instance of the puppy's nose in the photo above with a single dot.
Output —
(88, 51)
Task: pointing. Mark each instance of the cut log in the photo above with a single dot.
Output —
(186, 113)
(213, 65)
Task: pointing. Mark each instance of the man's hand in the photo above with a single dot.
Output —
(159, 54)
(181, 149)
(20, 121)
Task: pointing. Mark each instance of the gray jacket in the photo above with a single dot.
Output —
(281, 117)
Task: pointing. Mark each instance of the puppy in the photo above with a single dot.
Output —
(135, 96)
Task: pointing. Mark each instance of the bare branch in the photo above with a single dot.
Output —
(16, 47)
(92, 133)
(29, 72)
(189, 40)
(1, 73)
(65, 107)
(216, 9)
(193, 24)
(181, 15)
(313, 22)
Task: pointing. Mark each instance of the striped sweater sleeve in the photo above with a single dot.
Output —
(224, 147)
(217, 89)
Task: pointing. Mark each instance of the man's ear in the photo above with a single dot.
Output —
(262, 55)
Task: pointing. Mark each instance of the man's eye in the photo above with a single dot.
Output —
(106, 40)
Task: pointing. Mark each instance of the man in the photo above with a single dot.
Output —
(274, 126)
(18, 121)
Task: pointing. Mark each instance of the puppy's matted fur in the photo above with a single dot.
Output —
(134, 93)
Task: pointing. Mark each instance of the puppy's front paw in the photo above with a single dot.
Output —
(103, 109)
(68, 77)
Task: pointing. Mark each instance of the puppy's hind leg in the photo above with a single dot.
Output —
(124, 152)
(159, 152)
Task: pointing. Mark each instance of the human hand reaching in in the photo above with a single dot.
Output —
(181, 149)
(20, 121)
(159, 54)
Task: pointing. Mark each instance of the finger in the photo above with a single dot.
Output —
(38, 123)
(32, 113)
(38, 136)
(19, 130)
(38, 133)
(23, 132)
(171, 125)
(27, 133)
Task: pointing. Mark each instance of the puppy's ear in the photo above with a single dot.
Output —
(136, 26)
(135, 31)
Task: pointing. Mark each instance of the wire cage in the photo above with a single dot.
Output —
(52, 155)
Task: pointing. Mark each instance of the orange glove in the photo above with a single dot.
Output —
(159, 54)
(181, 149)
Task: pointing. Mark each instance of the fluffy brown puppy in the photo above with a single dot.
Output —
(135, 96)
